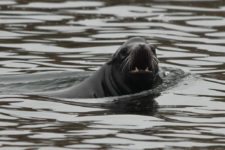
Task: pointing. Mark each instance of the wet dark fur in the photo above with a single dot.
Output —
(116, 77)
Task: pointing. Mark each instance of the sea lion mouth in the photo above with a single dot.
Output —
(138, 60)
(142, 61)
(137, 70)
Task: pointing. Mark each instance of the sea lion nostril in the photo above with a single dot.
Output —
(142, 45)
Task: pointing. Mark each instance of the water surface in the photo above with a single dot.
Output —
(61, 36)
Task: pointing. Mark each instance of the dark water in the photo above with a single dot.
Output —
(60, 36)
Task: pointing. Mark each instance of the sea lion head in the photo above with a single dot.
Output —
(136, 61)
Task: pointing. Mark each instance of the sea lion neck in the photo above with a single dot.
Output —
(114, 80)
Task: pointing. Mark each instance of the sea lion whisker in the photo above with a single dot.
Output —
(125, 64)
(155, 64)
(156, 59)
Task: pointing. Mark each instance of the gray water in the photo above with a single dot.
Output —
(56, 37)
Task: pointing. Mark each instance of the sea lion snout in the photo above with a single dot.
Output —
(140, 59)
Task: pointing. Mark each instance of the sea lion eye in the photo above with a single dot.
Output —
(124, 52)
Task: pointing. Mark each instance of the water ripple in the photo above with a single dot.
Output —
(40, 41)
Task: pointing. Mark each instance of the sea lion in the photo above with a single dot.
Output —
(133, 68)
